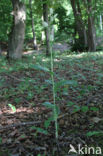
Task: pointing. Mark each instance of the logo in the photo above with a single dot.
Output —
(85, 150)
(72, 149)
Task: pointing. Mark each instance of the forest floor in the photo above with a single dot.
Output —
(26, 90)
(58, 46)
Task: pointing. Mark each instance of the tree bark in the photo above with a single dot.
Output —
(16, 37)
(42, 33)
(91, 28)
(80, 27)
(0, 49)
(47, 33)
(101, 23)
(33, 26)
(82, 24)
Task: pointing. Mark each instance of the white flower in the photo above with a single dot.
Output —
(55, 16)
(51, 11)
(45, 24)
(52, 34)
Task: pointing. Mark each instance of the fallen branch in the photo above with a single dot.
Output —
(15, 78)
(19, 124)
(62, 116)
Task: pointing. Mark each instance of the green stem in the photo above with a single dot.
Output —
(54, 95)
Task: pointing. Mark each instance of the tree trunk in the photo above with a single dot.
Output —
(16, 37)
(101, 23)
(80, 27)
(91, 35)
(42, 33)
(47, 34)
(83, 28)
(0, 49)
(91, 29)
(33, 26)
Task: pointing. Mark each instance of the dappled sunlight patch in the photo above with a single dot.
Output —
(27, 110)
(57, 60)
(34, 57)
(44, 59)
(59, 43)
(82, 55)
(28, 52)
(22, 109)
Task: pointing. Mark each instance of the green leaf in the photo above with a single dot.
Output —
(39, 130)
(49, 105)
(65, 82)
(45, 24)
(0, 140)
(39, 67)
(91, 133)
(95, 109)
(12, 107)
(84, 109)
(100, 75)
(17, 100)
(57, 109)
(48, 81)
(56, 112)
(76, 108)
(70, 103)
(47, 122)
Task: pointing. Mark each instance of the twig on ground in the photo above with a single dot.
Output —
(19, 124)
(13, 77)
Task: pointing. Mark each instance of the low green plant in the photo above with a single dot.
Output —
(39, 130)
(0, 140)
(53, 106)
(94, 133)
(12, 107)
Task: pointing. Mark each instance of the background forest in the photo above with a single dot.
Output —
(51, 77)
(79, 23)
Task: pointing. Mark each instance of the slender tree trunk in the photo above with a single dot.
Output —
(47, 34)
(101, 23)
(91, 28)
(79, 22)
(16, 37)
(33, 26)
(43, 33)
(82, 24)
(91, 35)
(0, 49)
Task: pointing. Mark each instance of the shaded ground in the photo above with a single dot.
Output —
(59, 46)
(27, 87)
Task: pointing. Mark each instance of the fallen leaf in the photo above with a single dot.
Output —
(96, 119)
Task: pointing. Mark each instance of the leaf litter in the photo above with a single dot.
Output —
(22, 130)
